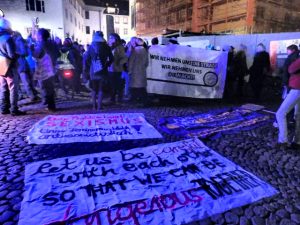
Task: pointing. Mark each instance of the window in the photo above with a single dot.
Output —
(75, 21)
(117, 20)
(125, 20)
(71, 18)
(117, 30)
(87, 30)
(87, 15)
(260, 12)
(125, 31)
(35, 5)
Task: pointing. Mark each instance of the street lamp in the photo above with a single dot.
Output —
(1, 13)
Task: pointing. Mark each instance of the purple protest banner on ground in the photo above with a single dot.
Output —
(91, 128)
(172, 183)
(207, 124)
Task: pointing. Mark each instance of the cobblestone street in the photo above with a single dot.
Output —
(250, 149)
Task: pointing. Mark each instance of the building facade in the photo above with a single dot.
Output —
(217, 16)
(76, 19)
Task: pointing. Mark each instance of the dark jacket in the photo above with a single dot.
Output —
(74, 57)
(294, 70)
(22, 51)
(97, 50)
(286, 75)
(260, 67)
(240, 68)
(7, 48)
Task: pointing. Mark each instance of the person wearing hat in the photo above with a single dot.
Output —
(9, 80)
(96, 61)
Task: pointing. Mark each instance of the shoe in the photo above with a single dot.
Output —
(5, 112)
(35, 99)
(295, 146)
(18, 113)
(281, 146)
(51, 109)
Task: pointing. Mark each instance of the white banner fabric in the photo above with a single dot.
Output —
(186, 72)
(56, 129)
(173, 183)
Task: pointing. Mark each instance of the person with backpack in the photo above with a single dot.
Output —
(9, 79)
(44, 69)
(96, 61)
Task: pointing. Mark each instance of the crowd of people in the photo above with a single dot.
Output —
(41, 62)
(44, 63)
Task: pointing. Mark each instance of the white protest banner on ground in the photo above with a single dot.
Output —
(187, 72)
(173, 183)
(91, 128)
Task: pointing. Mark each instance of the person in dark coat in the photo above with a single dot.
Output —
(240, 70)
(230, 75)
(70, 59)
(96, 61)
(116, 68)
(9, 81)
(258, 71)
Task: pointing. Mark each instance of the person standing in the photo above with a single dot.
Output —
(116, 68)
(293, 54)
(258, 71)
(9, 79)
(23, 68)
(96, 61)
(44, 69)
(137, 66)
(291, 101)
(240, 69)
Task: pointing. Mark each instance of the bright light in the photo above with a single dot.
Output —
(1, 13)
(68, 74)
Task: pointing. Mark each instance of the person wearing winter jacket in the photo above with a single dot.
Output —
(44, 69)
(116, 68)
(96, 61)
(292, 101)
(293, 54)
(258, 71)
(137, 66)
(9, 80)
(23, 69)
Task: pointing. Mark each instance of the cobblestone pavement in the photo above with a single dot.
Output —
(249, 149)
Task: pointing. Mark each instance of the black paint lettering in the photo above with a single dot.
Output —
(50, 198)
(129, 167)
(67, 195)
(158, 177)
